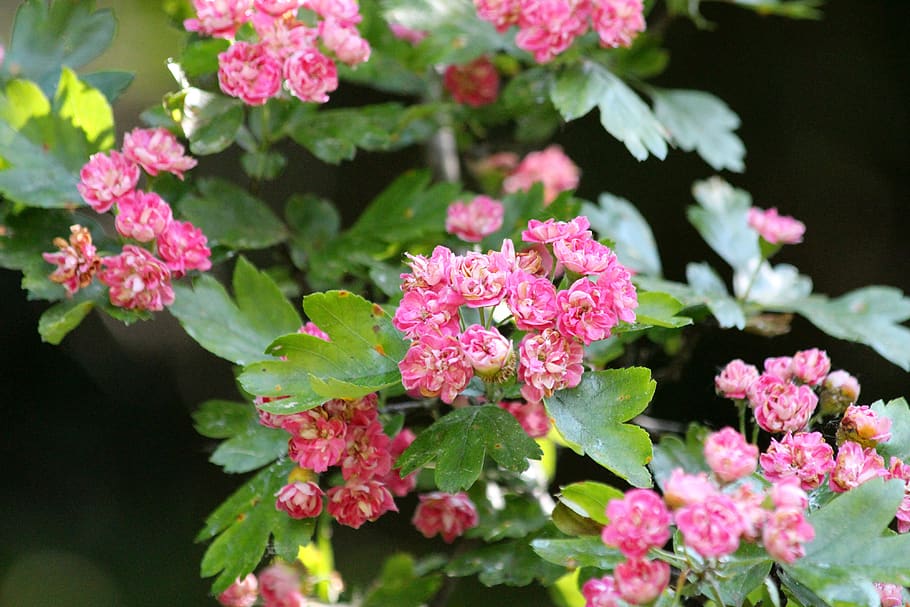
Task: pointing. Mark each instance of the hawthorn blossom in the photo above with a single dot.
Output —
(366, 453)
(547, 362)
(105, 178)
(639, 582)
(357, 502)
(532, 416)
(157, 150)
(785, 534)
(77, 260)
(300, 500)
(891, 595)
(310, 75)
(638, 522)
(249, 72)
(712, 526)
(618, 22)
(142, 216)
(218, 18)
(787, 493)
(854, 466)
(586, 311)
(428, 272)
(552, 230)
(435, 366)
(901, 471)
(729, 455)
(398, 485)
(422, 311)
(480, 279)
(780, 367)
(501, 13)
(279, 584)
(682, 489)
(242, 593)
(318, 440)
(863, 426)
(810, 366)
(282, 36)
(137, 280)
(601, 592)
(276, 8)
(735, 379)
(549, 27)
(346, 12)
(182, 246)
(476, 220)
(475, 84)
(584, 255)
(552, 168)
(488, 352)
(749, 504)
(775, 228)
(532, 301)
(344, 41)
(804, 455)
(361, 411)
(446, 514)
(781, 406)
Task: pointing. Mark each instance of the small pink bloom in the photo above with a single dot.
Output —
(310, 328)
(487, 350)
(428, 272)
(601, 592)
(532, 301)
(711, 527)
(142, 216)
(774, 228)
(785, 533)
(584, 255)
(735, 379)
(435, 366)
(552, 230)
(532, 417)
(535, 260)
(854, 466)
(182, 246)
(282, 36)
(839, 390)
(787, 493)
(446, 514)
(476, 220)
(617, 280)
(639, 582)
(346, 12)
(781, 406)
(344, 41)
(276, 8)
(422, 311)
(551, 167)
(361, 411)
(268, 419)
(157, 150)
(105, 178)
(586, 311)
(218, 18)
(318, 440)
(749, 505)
(480, 279)
(682, 489)
(547, 362)
(901, 471)
(501, 13)
(862, 425)
(77, 260)
(804, 455)
(618, 22)
(397, 485)
(277, 582)
(638, 522)
(357, 502)
(729, 455)
(242, 593)
(891, 595)
(811, 366)
(249, 72)
(407, 34)
(137, 280)
(475, 84)
(548, 27)
(300, 500)
(366, 453)
(780, 367)
(310, 75)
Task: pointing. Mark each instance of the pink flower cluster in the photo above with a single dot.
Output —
(550, 166)
(347, 434)
(287, 50)
(475, 84)
(137, 278)
(546, 28)
(446, 514)
(445, 355)
(775, 228)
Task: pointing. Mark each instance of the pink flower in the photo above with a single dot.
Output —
(488, 351)
(547, 362)
(811, 366)
(532, 417)
(601, 592)
(735, 379)
(397, 485)
(346, 12)
(749, 505)
(366, 453)
(182, 246)
(501, 13)
(446, 514)
(156, 150)
(344, 41)
(318, 440)
(586, 311)
(428, 272)
(854, 466)
(640, 581)
(787, 493)
(422, 311)
(804, 455)
(310, 328)
(268, 419)
(475, 84)
(839, 390)
(774, 228)
(729, 455)
(77, 260)
(218, 18)
(552, 168)
(532, 301)
(638, 522)
(242, 593)
(861, 425)
(617, 280)
(310, 75)
(901, 471)
(142, 216)
(249, 72)
(780, 367)
(548, 27)
(781, 406)
(584, 255)
(711, 527)
(104, 179)
(682, 489)
(435, 366)
(282, 36)
(476, 220)
(300, 500)
(407, 34)
(359, 411)
(480, 279)
(535, 260)
(137, 280)
(618, 22)
(785, 533)
(278, 582)
(552, 230)
(276, 8)
(357, 502)
(891, 595)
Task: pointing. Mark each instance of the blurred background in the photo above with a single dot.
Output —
(105, 483)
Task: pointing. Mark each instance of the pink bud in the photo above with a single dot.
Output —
(735, 379)
(446, 514)
(787, 493)
(811, 366)
(729, 455)
(476, 220)
(863, 426)
(488, 351)
(242, 593)
(552, 168)
(774, 228)
(300, 500)
(640, 581)
(601, 592)
(532, 416)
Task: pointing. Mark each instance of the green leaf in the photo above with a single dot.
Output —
(210, 121)
(589, 499)
(700, 121)
(740, 574)
(241, 331)
(231, 217)
(85, 108)
(314, 224)
(250, 449)
(578, 90)
(222, 418)
(263, 165)
(200, 57)
(721, 221)
(672, 452)
(711, 290)
(899, 414)
(657, 309)
(519, 516)
(512, 562)
(577, 552)
(617, 219)
(400, 585)
(62, 318)
(772, 287)
(243, 525)
(793, 9)
(870, 316)
(111, 83)
(459, 440)
(361, 357)
(48, 35)
(591, 415)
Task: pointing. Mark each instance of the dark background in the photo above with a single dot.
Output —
(105, 483)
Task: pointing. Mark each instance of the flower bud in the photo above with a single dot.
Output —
(489, 353)
(839, 390)
(862, 426)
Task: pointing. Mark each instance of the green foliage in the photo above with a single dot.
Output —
(242, 525)
(249, 445)
(617, 219)
(511, 562)
(361, 357)
(577, 552)
(657, 309)
(210, 122)
(458, 442)
(899, 414)
(592, 416)
(237, 330)
(519, 516)
(672, 452)
(62, 318)
(111, 83)
(589, 499)
(721, 221)
(401, 585)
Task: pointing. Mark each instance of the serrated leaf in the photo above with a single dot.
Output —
(721, 220)
(705, 288)
(673, 452)
(237, 331)
(700, 121)
(656, 309)
(253, 447)
(512, 562)
(85, 108)
(589, 499)
(592, 415)
(210, 121)
(263, 165)
(222, 418)
(577, 90)
(458, 442)
(577, 552)
(617, 219)
(770, 286)
(899, 414)
(231, 217)
(400, 585)
(518, 517)
(361, 357)
(200, 57)
(111, 83)
(61, 318)
(740, 574)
